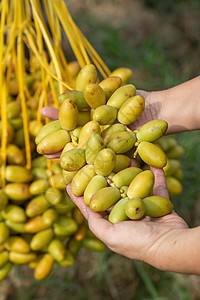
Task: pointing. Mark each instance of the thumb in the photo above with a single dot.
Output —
(160, 186)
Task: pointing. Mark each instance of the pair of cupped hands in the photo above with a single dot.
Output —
(148, 238)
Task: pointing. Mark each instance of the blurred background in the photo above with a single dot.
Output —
(160, 42)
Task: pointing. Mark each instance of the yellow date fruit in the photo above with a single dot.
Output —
(108, 133)
(117, 214)
(124, 73)
(174, 186)
(93, 244)
(57, 250)
(14, 213)
(4, 232)
(4, 270)
(53, 196)
(21, 258)
(171, 167)
(110, 85)
(105, 114)
(68, 260)
(94, 95)
(122, 142)
(56, 180)
(97, 183)
(152, 155)
(44, 267)
(35, 224)
(37, 206)
(54, 142)
(41, 239)
(135, 208)
(152, 130)
(18, 192)
(15, 155)
(81, 180)
(104, 162)
(121, 95)
(18, 174)
(87, 130)
(47, 129)
(68, 176)
(73, 160)
(131, 110)
(17, 244)
(3, 258)
(49, 217)
(175, 152)
(17, 227)
(68, 115)
(141, 185)
(38, 186)
(87, 74)
(122, 162)
(65, 226)
(3, 200)
(104, 199)
(77, 97)
(157, 206)
(124, 177)
(94, 145)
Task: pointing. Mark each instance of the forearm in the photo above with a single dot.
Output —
(182, 252)
(180, 106)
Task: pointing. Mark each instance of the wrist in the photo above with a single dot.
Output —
(179, 106)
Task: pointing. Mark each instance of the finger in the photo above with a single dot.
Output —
(50, 112)
(79, 201)
(55, 155)
(97, 224)
(160, 186)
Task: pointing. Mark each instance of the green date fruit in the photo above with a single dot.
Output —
(94, 145)
(81, 180)
(121, 95)
(131, 110)
(110, 85)
(105, 114)
(152, 131)
(94, 95)
(104, 162)
(73, 160)
(97, 183)
(135, 208)
(87, 74)
(122, 142)
(157, 206)
(141, 185)
(118, 214)
(104, 199)
(68, 115)
(124, 177)
(152, 155)
(47, 129)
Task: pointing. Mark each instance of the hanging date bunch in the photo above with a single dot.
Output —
(39, 224)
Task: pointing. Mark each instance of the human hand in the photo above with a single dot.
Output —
(148, 239)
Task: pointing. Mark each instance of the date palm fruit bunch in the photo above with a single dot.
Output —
(95, 144)
(39, 224)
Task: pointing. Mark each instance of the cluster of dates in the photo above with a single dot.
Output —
(39, 224)
(96, 146)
